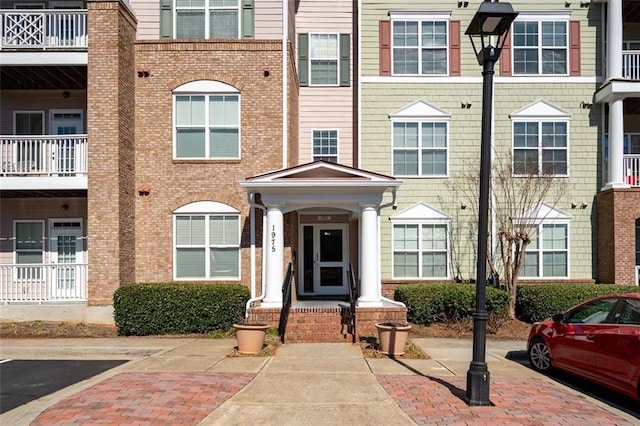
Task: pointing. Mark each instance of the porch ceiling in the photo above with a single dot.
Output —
(631, 11)
(14, 77)
(44, 194)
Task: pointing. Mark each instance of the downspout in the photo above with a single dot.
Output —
(392, 204)
(254, 205)
(359, 88)
(285, 82)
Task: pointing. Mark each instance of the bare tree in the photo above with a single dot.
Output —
(520, 204)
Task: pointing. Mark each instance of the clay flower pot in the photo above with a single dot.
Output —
(250, 337)
(392, 337)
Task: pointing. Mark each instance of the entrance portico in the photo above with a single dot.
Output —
(315, 188)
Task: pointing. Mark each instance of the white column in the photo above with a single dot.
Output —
(616, 144)
(614, 39)
(370, 286)
(274, 258)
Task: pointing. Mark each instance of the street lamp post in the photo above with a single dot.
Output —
(490, 24)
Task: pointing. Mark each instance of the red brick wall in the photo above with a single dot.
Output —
(617, 211)
(110, 129)
(174, 183)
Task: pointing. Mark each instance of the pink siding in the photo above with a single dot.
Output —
(326, 107)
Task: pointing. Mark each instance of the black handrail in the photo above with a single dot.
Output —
(286, 302)
(353, 296)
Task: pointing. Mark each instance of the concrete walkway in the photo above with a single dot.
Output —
(193, 381)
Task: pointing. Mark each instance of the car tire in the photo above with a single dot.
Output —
(539, 355)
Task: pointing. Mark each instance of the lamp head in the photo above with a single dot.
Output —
(491, 19)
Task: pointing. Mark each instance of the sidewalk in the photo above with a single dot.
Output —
(192, 381)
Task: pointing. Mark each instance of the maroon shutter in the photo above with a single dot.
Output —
(505, 56)
(454, 48)
(385, 47)
(574, 47)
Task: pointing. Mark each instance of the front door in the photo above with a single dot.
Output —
(66, 257)
(324, 260)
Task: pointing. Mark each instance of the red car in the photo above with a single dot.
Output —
(598, 340)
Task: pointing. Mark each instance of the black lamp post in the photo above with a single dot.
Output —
(490, 24)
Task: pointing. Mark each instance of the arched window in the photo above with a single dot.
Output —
(206, 241)
(206, 121)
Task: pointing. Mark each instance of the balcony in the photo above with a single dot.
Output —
(38, 283)
(631, 169)
(43, 162)
(43, 29)
(631, 64)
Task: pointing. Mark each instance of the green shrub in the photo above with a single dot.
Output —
(177, 308)
(536, 302)
(429, 303)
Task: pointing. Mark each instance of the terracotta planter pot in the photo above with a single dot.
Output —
(392, 337)
(250, 337)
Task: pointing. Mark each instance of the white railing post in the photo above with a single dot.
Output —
(43, 155)
(631, 169)
(44, 29)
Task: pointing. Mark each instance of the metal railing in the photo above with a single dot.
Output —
(43, 155)
(43, 283)
(43, 29)
(631, 169)
(348, 314)
(631, 64)
(286, 302)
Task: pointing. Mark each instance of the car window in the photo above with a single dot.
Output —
(595, 312)
(630, 313)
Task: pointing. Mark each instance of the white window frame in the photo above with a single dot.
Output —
(538, 228)
(336, 59)
(540, 149)
(420, 223)
(421, 150)
(540, 17)
(207, 89)
(207, 209)
(53, 112)
(207, 16)
(420, 17)
(315, 157)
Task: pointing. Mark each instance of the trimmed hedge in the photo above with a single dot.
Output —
(177, 308)
(429, 303)
(536, 302)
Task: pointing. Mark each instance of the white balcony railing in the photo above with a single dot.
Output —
(43, 283)
(43, 155)
(638, 275)
(631, 169)
(43, 29)
(631, 64)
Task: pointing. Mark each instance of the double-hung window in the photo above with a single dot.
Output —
(419, 148)
(540, 148)
(324, 59)
(547, 256)
(325, 145)
(419, 45)
(540, 140)
(29, 248)
(206, 125)
(420, 250)
(540, 46)
(207, 245)
(207, 19)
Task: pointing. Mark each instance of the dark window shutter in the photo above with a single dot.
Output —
(303, 59)
(345, 55)
(574, 47)
(505, 56)
(385, 47)
(166, 19)
(248, 22)
(454, 48)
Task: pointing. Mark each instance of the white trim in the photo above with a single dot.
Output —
(543, 15)
(205, 86)
(337, 143)
(420, 250)
(337, 59)
(416, 14)
(422, 17)
(418, 110)
(52, 112)
(539, 18)
(205, 207)
(541, 109)
(206, 8)
(541, 250)
(15, 238)
(551, 78)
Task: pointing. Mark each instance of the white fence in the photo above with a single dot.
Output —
(43, 155)
(43, 29)
(43, 283)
